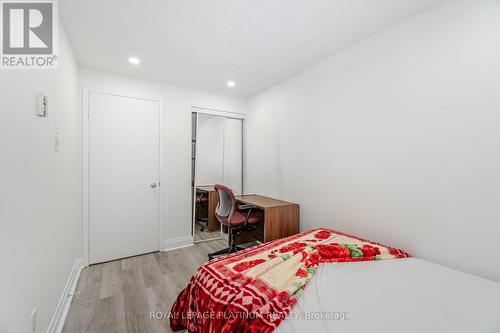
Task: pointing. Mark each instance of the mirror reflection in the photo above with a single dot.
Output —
(217, 153)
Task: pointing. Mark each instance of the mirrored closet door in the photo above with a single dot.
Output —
(217, 158)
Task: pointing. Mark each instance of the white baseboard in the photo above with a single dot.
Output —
(177, 243)
(57, 322)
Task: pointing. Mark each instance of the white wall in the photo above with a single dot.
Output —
(396, 139)
(233, 150)
(177, 107)
(209, 149)
(219, 151)
(40, 190)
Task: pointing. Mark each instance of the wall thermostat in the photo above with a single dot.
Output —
(42, 106)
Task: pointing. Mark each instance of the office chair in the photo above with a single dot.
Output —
(201, 199)
(237, 220)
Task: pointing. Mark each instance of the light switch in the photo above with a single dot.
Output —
(42, 106)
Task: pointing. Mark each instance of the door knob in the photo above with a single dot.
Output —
(153, 185)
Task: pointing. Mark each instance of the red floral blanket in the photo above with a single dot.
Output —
(254, 290)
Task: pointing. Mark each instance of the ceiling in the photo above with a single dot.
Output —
(202, 44)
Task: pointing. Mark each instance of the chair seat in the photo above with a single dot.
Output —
(239, 217)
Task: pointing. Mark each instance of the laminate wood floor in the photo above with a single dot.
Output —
(118, 296)
(204, 235)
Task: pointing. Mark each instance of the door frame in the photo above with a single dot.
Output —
(85, 164)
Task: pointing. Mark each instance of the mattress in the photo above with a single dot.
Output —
(254, 290)
(393, 296)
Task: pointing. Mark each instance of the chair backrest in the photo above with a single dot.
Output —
(227, 201)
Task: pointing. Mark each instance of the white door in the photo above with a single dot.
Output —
(124, 167)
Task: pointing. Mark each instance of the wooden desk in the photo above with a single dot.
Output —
(213, 199)
(281, 218)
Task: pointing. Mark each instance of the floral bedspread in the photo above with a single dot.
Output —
(254, 290)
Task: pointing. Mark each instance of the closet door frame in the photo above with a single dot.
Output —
(225, 114)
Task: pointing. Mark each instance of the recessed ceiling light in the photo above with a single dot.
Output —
(231, 83)
(134, 60)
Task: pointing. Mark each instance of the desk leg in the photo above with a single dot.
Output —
(280, 222)
(213, 223)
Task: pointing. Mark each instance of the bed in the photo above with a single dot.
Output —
(407, 295)
(327, 281)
